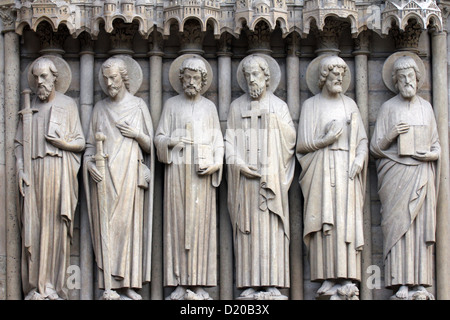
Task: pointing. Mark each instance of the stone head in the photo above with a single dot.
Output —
(115, 75)
(257, 74)
(193, 76)
(406, 76)
(45, 73)
(331, 74)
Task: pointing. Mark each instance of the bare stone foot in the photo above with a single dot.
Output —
(34, 295)
(51, 293)
(348, 291)
(326, 285)
(402, 293)
(203, 295)
(132, 294)
(248, 293)
(273, 291)
(110, 295)
(178, 293)
(421, 293)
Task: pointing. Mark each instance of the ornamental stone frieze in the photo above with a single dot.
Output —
(232, 16)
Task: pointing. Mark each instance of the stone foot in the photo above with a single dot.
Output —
(110, 295)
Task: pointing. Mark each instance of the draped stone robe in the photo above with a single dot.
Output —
(259, 208)
(129, 206)
(47, 229)
(407, 190)
(190, 240)
(333, 237)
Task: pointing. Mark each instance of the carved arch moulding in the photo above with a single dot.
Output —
(231, 16)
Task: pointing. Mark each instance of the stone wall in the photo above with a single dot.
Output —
(291, 38)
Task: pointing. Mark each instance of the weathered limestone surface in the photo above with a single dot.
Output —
(155, 33)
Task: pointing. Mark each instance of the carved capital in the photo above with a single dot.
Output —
(52, 42)
(293, 43)
(8, 17)
(328, 38)
(407, 39)
(224, 44)
(156, 43)
(362, 43)
(122, 37)
(259, 38)
(86, 42)
(191, 40)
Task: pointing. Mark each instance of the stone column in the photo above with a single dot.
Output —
(361, 53)
(440, 105)
(86, 105)
(295, 203)
(156, 103)
(12, 106)
(2, 171)
(225, 234)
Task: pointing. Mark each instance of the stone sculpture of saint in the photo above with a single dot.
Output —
(405, 143)
(260, 145)
(332, 148)
(189, 142)
(118, 176)
(48, 146)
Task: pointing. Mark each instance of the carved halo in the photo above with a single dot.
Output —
(275, 72)
(389, 65)
(174, 73)
(134, 73)
(64, 73)
(312, 76)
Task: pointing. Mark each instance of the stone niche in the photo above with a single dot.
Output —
(155, 33)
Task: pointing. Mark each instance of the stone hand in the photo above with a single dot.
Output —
(426, 156)
(210, 170)
(58, 141)
(179, 142)
(333, 132)
(128, 131)
(23, 179)
(249, 172)
(356, 168)
(396, 130)
(95, 174)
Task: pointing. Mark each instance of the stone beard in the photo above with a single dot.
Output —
(126, 123)
(47, 227)
(407, 184)
(258, 192)
(189, 126)
(332, 186)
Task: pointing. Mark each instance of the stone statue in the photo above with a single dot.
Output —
(48, 143)
(118, 175)
(189, 142)
(260, 145)
(332, 149)
(405, 143)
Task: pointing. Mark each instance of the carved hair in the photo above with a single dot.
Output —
(262, 63)
(122, 69)
(45, 62)
(195, 64)
(404, 63)
(326, 65)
